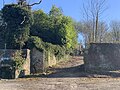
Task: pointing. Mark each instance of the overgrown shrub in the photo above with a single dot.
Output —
(18, 21)
(18, 60)
(57, 50)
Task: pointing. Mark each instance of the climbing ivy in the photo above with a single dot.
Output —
(18, 60)
(57, 50)
(18, 21)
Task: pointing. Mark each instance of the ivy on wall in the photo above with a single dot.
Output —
(57, 50)
(18, 60)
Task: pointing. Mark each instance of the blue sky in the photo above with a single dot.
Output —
(69, 7)
(73, 8)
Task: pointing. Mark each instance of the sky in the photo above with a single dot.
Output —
(73, 8)
(69, 7)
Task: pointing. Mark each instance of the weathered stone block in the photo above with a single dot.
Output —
(102, 56)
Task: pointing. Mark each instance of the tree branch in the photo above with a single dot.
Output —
(35, 3)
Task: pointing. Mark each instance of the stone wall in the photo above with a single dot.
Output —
(51, 60)
(40, 60)
(102, 56)
(6, 56)
(35, 62)
(37, 58)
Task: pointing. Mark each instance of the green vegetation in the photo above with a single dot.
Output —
(53, 32)
(54, 28)
(18, 21)
(23, 28)
(57, 50)
(18, 60)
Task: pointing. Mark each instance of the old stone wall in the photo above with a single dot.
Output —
(37, 58)
(51, 60)
(102, 56)
(6, 56)
(40, 60)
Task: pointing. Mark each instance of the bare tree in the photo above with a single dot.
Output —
(0, 18)
(24, 3)
(36, 3)
(3, 2)
(115, 31)
(85, 29)
(92, 12)
(102, 30)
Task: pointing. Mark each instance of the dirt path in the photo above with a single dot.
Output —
(71, 68)
(66, 76)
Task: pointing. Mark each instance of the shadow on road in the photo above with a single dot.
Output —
(72, 72)
(76, 72)
(74, 69)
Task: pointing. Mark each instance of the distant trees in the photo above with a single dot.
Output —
(102, 30)
(92, 11)
(92, 28)
(107, 33)
(115, 31)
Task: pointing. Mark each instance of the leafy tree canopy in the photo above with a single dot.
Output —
(18, 21)
(54, 28)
